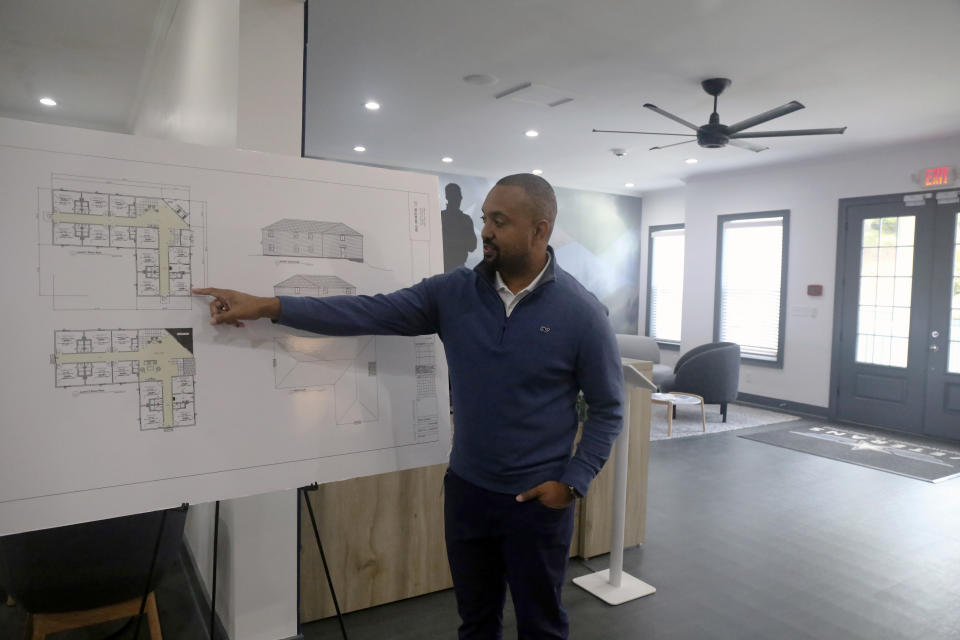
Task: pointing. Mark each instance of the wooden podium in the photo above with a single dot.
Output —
(383, 534)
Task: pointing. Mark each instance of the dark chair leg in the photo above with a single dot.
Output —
(723, 410)
(674, 412)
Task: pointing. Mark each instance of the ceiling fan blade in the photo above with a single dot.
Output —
(667, 114)
(646, 133)
(789, 132)
(782, 110)
(749, 146)
(671, 145)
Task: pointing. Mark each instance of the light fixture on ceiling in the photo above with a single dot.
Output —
(531, 133)
(446, 159)
(48, 102)
(691, 161)
(537, 172)
(360, 148)
(629, 185)
(372, 105)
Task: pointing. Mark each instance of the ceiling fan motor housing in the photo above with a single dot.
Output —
(712, 136)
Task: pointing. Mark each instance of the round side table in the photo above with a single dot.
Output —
(672, 399)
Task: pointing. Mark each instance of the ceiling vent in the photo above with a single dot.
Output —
(535, 94)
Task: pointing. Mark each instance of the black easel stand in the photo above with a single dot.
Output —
(213, 589)
(323, 556)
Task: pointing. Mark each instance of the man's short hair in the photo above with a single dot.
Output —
(538, 190)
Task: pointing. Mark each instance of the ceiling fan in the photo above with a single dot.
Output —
(715, 135)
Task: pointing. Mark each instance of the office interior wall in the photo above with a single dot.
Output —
(811, 191)
(190, 92)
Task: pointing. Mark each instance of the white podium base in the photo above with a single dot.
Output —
(599, 585)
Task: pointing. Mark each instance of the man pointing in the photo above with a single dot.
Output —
(522, 338)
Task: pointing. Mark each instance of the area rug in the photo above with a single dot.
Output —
(687, 423)
(905, 455)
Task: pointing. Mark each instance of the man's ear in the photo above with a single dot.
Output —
(542, 229)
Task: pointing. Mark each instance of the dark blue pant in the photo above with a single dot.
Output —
(494, 541)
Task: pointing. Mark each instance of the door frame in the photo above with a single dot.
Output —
(840, 286)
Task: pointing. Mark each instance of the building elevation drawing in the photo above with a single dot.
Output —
(156, 231)
(316, 286)
(159, 361)
(312, 239)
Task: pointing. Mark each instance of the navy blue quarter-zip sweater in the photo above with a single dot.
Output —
(514, 380)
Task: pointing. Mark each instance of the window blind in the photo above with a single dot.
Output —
(666, 284)
(751, 285)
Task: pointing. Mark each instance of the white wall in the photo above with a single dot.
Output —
(190, 93)
(229, 73)
(810, 190)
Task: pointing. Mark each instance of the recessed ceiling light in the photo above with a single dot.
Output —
(691, 161)
(629, 185)
(360, 148)
(537, 172)
(446, 159)
(372, 105)
(531, 133)
(48, 102)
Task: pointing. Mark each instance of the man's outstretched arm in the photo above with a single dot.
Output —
(410, 311)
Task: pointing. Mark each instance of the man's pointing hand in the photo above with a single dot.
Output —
(232, 307)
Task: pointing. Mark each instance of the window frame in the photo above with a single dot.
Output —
(718, 281)
(664, 344)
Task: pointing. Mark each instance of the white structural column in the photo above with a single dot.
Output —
(612, 585)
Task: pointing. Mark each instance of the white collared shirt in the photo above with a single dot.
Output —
(510, 299)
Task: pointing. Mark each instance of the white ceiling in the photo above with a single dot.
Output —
(884, 68)
(90, 55)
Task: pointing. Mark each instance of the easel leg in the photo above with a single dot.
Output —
(213, 587)
(323, 558)
(153, 565)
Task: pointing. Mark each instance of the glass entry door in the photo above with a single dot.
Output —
(899, 334)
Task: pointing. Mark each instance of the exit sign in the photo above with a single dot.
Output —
(937, 177)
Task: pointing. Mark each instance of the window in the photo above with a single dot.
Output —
(665, 283)
(269, 234)
(343, 237)
(750, 304)
(886, 281)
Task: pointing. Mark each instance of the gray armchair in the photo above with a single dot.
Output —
(644, 348)
(711, 371)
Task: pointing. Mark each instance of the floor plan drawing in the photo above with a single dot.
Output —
(159, 361)
(312, 239)
(108, 244)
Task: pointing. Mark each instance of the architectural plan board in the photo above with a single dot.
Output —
(120, 397)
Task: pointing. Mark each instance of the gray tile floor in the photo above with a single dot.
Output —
(750, 541)
(745, 541)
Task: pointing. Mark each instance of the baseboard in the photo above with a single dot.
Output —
(786, 406)
(199, 595)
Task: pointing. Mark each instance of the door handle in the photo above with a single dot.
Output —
(934, 347)
(934, 334)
